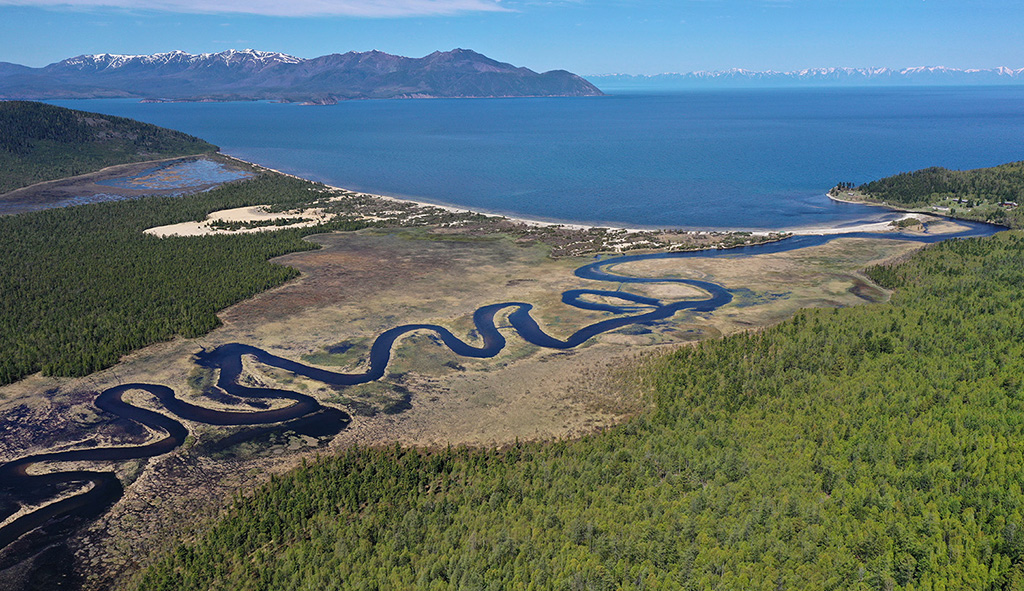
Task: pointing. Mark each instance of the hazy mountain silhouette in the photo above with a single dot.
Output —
(260, 75)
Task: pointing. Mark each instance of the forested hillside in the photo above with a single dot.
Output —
(982, 194)
(40, 142)
(83, 285)
(875, 447)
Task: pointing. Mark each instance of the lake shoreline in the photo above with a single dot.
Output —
(638, 161)
(915, 213)
(459, 209)
(867, 226)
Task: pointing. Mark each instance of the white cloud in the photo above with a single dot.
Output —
(362, 8)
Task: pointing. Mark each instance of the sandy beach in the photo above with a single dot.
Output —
(457, 209)
(258, 214)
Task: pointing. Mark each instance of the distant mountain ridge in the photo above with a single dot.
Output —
(737, 77)
(262, 75)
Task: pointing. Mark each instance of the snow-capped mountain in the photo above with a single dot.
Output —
(736, 77)
(109, 61)
(258, 75)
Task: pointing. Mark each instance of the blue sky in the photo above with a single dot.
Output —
(584, 36)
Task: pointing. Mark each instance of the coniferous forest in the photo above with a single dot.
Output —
(84, 285)
(982, 194)
(40, 142)
(874, 447)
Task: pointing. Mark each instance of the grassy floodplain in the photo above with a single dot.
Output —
(85, 285)
(859, 448)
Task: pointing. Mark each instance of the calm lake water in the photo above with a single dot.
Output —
(704, 159)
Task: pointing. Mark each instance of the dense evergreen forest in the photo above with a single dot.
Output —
(982, 194)
(40, 142)
(83, 285)
(875, 447)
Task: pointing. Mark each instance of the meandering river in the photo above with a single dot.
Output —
(105, 488)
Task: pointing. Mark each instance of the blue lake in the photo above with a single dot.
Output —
(704, 159)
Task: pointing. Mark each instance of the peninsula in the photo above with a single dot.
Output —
(991, 195)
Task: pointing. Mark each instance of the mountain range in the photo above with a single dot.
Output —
(262, 75)
(735, 78)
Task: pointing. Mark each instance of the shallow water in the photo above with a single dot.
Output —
(170, 179)
(181, 176)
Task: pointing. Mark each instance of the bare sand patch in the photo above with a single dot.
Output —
(246, 215)
(882, 226)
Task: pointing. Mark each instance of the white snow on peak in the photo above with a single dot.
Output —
(832, 72)
(111, 61)
(262, 57)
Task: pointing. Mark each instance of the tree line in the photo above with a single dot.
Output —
(84, 285)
